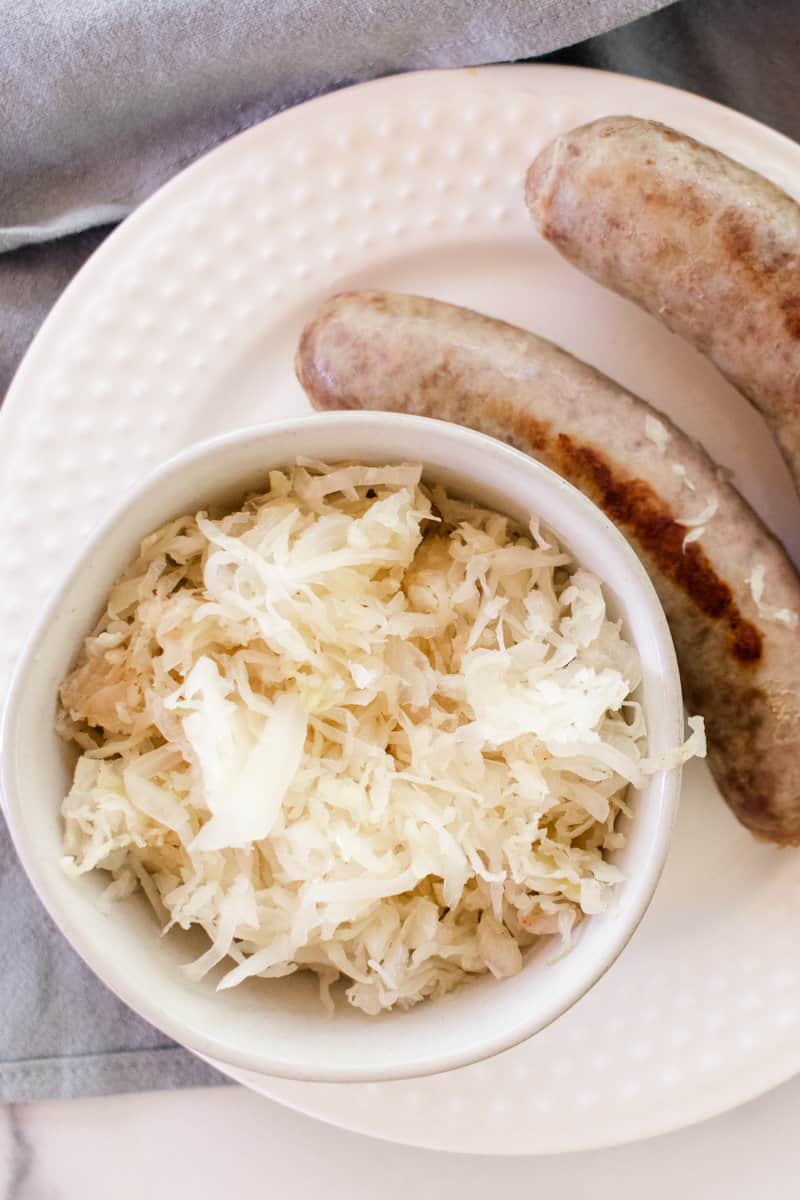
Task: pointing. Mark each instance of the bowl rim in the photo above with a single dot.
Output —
(665, 783)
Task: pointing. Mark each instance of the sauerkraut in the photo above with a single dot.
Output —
(356, 727)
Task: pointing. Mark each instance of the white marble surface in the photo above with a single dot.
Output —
(226, 1142)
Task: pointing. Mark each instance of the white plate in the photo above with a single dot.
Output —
(184, 325)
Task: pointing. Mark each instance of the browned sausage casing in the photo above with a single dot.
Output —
(702, 242)
(378, 350)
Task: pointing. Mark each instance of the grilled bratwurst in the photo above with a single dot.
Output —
(730, 594)
(702, 242)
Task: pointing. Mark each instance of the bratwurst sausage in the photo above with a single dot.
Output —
(731, 596)
(702, 242)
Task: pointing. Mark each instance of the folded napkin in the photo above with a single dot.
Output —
(105, 99)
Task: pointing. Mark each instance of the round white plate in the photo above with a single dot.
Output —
(184, 325)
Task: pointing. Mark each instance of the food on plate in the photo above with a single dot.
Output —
(356, 727)
(708, 246)
(731, 595)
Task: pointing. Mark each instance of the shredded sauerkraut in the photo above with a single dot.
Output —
(355, 727)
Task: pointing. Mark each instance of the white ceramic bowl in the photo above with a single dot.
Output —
(277, 1026)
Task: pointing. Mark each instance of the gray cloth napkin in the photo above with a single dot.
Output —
(101, 101)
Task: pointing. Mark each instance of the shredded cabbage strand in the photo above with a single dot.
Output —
(356, 727)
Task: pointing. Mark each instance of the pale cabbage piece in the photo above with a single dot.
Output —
(784, 616)
(657, 432)
(697, 524)
(357, 728)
